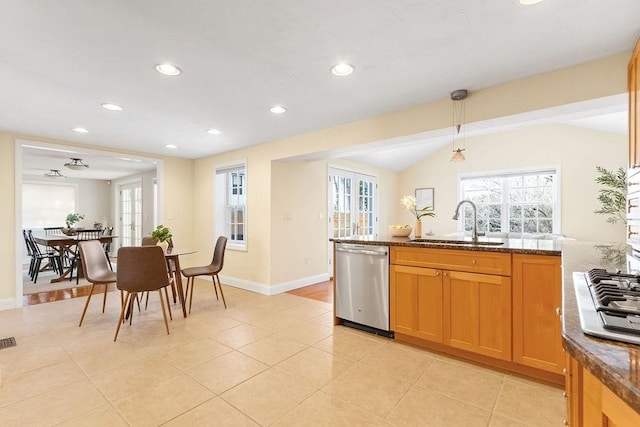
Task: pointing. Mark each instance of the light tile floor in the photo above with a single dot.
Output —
(264, 361)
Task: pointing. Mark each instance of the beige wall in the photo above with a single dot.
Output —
(299, 202)
(188, 193)
(8, 253)
(576, 150)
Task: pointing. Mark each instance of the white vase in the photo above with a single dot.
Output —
(164, 245)
(417, 229)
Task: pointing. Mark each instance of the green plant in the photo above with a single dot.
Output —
(613, 197)
(161, 233)
(72, 218)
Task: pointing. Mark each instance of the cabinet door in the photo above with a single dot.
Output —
(537, 298)
(477, 313)
(416, 302)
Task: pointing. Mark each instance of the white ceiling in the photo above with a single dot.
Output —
(60, 60)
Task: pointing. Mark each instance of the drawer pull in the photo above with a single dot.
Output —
(564, 394)
(565, 422)
(473, 261)
(564, 371)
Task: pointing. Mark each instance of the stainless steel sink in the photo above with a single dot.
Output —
(459, 242)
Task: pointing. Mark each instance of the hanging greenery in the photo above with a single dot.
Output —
(613, 195)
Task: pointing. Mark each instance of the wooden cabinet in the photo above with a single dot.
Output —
(451, 259)
(477, 313)
(592, 404)
(416, 302)
(537, 298)
(440, 295)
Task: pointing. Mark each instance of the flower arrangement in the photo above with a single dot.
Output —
(72, 218)
(410, 204)
(161, 233)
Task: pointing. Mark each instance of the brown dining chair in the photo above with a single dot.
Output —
(148, 241)
(208, 270)
(96, 270)
(141, 269)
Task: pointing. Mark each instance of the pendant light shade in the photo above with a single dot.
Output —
(76, 164)
(457, 99)
(54, 174)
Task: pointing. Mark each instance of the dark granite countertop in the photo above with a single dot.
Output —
(485, 244)
(616, 364)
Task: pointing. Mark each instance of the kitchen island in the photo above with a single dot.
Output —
(603, 376)
(599, 374)
(494, 302)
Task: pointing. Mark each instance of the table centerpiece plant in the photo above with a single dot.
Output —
(162, 235)
(71, 219)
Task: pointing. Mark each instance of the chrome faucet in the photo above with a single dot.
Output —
(474, 223)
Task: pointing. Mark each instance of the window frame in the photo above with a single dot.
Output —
(504, 219)
(225, 189)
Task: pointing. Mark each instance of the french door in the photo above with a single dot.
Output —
(353, 205)
(130, 214)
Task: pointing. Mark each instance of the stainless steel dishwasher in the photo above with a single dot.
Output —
(362, 286)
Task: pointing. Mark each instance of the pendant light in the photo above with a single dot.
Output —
(76, 164)
(458, 98)
(54, 174)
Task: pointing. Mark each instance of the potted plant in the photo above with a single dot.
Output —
(410, 204)
(162, 235)
(72, 219)
(613, 194)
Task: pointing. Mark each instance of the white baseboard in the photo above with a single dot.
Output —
(8, 304)
(273, 289)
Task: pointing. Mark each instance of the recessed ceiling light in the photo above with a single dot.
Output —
(168, 69)
(111, 107)
(213, 131)
(529, 2)
(171, 146)
(278, 109)
(80, 130)
(342, 69)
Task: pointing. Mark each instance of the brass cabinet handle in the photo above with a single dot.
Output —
(558, 312)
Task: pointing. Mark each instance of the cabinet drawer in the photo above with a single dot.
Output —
(450, 259)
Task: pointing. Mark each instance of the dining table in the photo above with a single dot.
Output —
(172, 255)
(64, 244)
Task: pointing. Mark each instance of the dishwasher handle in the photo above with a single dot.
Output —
(362, 251)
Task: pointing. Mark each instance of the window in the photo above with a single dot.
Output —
(47, 205)
(231, 208)
(515, 202)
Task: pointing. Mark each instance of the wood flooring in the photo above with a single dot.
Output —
(320, 292)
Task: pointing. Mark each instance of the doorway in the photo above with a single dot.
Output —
(130, 207)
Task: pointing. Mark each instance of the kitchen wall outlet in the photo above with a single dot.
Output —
(306, 259)
(286, 216)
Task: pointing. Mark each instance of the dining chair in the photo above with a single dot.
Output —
(96, 271)
(141, 269)
(107, 231)
(53, 258)
(208, 270)
(55, 231)
(148, 241)
(81, 235)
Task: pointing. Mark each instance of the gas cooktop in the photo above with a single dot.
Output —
(609, 304)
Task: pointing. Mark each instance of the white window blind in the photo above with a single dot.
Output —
(47, 205)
